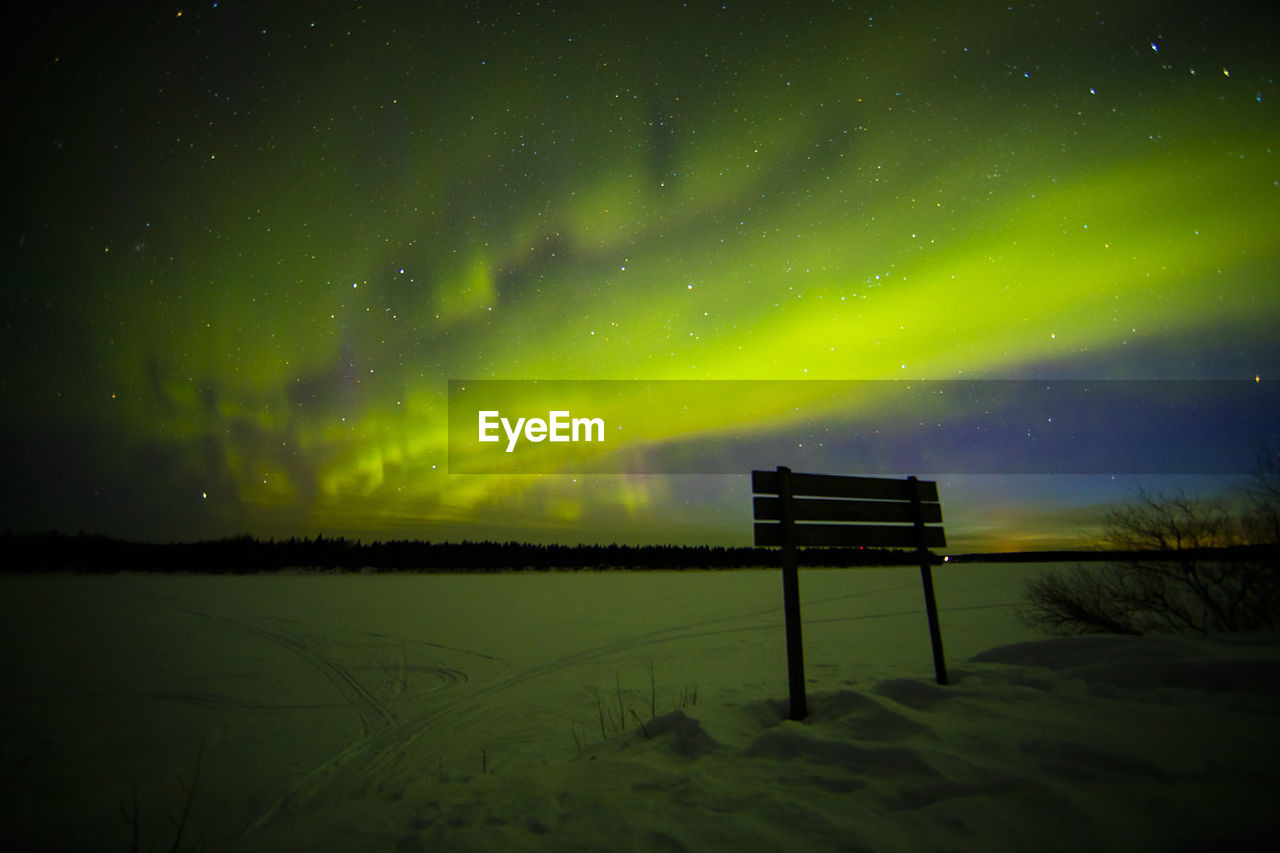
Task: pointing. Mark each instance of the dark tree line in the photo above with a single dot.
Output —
(245, 554)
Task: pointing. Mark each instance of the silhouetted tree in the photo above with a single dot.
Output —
(1192, 566)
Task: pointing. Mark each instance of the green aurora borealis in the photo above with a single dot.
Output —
(251, 243)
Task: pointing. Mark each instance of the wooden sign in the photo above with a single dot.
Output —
(808, 510)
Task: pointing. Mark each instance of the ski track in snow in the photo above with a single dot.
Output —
(370, 760)
(376, 715)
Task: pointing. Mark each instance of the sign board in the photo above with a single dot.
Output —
(822, 510)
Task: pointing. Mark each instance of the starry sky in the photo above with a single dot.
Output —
(250, 244)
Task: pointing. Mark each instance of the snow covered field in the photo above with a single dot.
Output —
(410, 712)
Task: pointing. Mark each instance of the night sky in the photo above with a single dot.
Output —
(249, 244)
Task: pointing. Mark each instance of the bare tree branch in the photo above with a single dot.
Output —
(1176, 582)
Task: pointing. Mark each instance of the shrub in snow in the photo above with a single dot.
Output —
(1191, 566)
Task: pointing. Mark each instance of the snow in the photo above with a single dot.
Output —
(615, 711)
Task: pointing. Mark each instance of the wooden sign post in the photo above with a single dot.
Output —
(844, 511)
